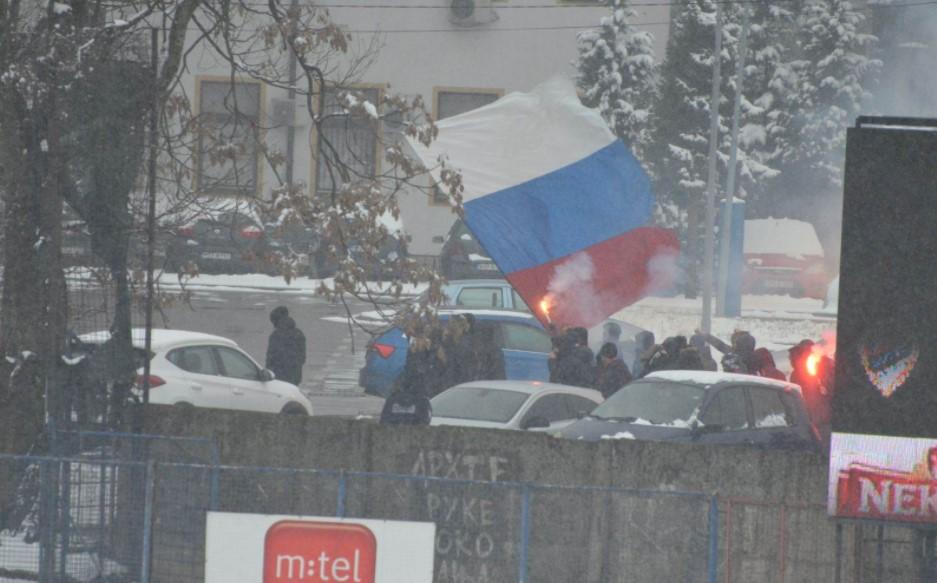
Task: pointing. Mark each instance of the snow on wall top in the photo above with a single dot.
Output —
(781, 236)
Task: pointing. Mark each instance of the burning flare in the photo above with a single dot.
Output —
(813, 363)
(546, 304)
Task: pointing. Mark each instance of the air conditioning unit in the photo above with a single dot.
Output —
(282, 112)
(468, 13)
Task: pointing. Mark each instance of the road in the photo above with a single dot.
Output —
(334, 355)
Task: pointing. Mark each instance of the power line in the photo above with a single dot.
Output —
(583, 27)
(567, 5)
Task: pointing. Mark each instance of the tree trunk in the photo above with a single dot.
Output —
(32, 312)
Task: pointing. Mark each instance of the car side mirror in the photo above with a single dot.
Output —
(535, 423)
(266, 375)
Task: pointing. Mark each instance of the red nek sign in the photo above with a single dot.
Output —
(865, 491)
(314, 552)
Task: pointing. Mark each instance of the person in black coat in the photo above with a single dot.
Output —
(612, 373)
(571, 363)
(286, 349)
(488, 357)
(406, 406)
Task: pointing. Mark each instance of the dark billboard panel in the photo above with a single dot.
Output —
(886, 355)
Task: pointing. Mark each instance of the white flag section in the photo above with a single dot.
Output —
(517, 138)
(265, 548)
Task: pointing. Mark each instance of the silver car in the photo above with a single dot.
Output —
(513, 405)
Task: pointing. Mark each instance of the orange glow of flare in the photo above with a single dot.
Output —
(813, 363)
(545, 306)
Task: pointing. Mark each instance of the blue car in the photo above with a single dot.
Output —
(526, 347)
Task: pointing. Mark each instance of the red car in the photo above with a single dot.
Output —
(784, 257)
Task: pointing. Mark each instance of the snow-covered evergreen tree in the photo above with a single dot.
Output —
(682, 113)
(617, 74)
(824, 92)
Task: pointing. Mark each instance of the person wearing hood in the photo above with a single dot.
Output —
(612, 373)
(286, 349)
(766, 366)
(698, 342)
(644, 342)
(738, 355)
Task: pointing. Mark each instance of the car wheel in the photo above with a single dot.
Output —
(294, 409)
(184, 405)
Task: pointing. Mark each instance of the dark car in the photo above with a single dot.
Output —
(383, 267)
(298, 243)
(462, 256)
(230, 242)
(703, 407)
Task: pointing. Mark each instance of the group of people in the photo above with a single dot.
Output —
(464, 350)
(739, 355)
(573, 363)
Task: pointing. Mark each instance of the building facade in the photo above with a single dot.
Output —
(456, 54)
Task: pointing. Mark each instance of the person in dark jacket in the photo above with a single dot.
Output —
(817, 389)
(460, 355)
(689, 359)
(698, 342)
(739, 355)
(582, 351)
(612, 373)
(569, 364)
(407, 405)
(286, 349)
(766, 366)
(667, 354)
(644, 342)
(487, 353)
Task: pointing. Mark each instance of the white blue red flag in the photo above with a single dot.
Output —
(558, 202)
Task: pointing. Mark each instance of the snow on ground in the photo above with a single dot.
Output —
(22, 557)
(78, 277)
(776, 322)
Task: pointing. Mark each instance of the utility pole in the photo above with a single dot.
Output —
(726, 227)
(710, 242)
(151, 211)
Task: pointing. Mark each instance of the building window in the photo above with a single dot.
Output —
(227, 160)
(346, 141)
(450, 103)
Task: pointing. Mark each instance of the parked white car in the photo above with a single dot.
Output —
(202, 370)
(513, 405)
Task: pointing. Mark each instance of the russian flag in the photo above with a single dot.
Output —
(558, 202)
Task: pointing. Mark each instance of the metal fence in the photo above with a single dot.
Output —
(92, 519)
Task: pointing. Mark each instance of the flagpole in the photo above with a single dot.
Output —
(709, 252)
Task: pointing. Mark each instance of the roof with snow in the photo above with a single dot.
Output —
(703, 377)
(782, 237)
(161, 338)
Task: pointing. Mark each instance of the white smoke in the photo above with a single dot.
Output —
(572, 289)
(663, 271)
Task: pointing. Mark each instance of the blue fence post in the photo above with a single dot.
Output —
(148, 498)
(65, 513)
(525, 533)
(713, 538)
(340, 512)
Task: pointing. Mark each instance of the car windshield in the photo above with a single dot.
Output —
(478, 403)
(657, 403)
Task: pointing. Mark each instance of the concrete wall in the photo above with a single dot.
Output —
(576, 535)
